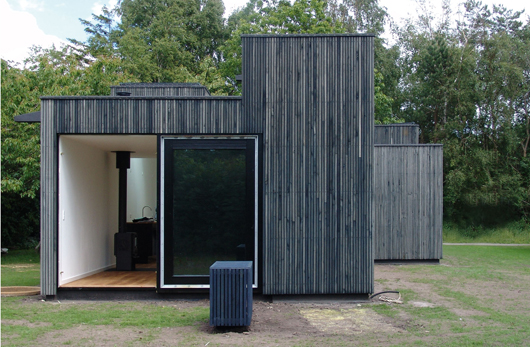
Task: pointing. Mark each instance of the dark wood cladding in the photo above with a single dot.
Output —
(129, 115)
(314, 95)
(408, 202)
(311, 99)
(48, 200)
(120, 115)
(160, 89)
(396, 134)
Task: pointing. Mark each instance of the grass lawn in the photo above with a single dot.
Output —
(21, 268)
(480, 297)
(514, 232)
(477, 296)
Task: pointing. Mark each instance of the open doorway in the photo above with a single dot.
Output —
(88, 210)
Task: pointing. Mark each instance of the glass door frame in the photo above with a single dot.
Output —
(161, 210)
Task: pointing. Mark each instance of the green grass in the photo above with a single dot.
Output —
(464, 280)
(492, 319)
(21, 268)
(48, 317)
(513, 232)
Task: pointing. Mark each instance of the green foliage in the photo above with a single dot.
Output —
(517, 232)
(359, 15)
(466, 83)
(383, 103)
(99, 42)
(47, 72)
(467, 86)
(161, 41)
(165, 41)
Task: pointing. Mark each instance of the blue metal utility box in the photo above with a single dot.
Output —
(231, 293)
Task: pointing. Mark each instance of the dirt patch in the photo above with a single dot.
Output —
(25, 323)
(20, 291)
(421, 304)
(91, 336)
(467, 313)
(347, 321)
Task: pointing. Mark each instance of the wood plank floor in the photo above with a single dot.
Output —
(116, 279)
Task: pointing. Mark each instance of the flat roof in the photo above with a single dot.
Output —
(308, 35)
(158, 85)
(92, 97)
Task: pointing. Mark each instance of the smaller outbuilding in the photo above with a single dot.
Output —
(408, 195)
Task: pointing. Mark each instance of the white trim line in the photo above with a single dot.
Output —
(161, 210)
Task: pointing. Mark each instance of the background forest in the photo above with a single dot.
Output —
(464, 78)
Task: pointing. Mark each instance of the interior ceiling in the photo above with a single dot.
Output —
(143, 146)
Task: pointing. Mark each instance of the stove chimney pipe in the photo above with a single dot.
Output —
(123, 162)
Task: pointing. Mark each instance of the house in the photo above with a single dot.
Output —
(297, 148)
(142, 190)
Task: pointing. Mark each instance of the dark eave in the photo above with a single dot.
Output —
(33, 117)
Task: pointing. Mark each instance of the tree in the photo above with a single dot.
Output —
(466, 85)
(364, 16)
(166, 40)
(47, 72)
(100, 30)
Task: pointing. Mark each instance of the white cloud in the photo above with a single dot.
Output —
(31, 5)
(97, 8)
(19, 31)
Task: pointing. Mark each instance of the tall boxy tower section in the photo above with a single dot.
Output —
(305, 126)
(315, 98)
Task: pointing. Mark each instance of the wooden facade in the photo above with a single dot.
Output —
(149, 115)
(397, 134)
(408, 202)
(310, 99)
(119, 115)
(160, 89)
(314, 96)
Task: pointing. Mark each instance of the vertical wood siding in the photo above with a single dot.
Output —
(396, 134)
(120, 115)
(408, 205)
(151, 115)
(314, 95)
(161, 89)
(312, 99)
(48, 201)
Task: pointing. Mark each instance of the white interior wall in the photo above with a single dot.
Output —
(85, 237)
(88, 197)
(141, 188)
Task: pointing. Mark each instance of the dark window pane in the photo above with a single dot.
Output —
(209, 208)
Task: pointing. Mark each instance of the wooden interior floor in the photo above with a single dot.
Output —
(119, 279)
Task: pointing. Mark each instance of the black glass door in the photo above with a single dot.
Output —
(209, 200)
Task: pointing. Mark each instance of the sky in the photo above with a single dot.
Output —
(24, 23)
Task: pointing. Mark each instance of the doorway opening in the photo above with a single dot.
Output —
(88, 210)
